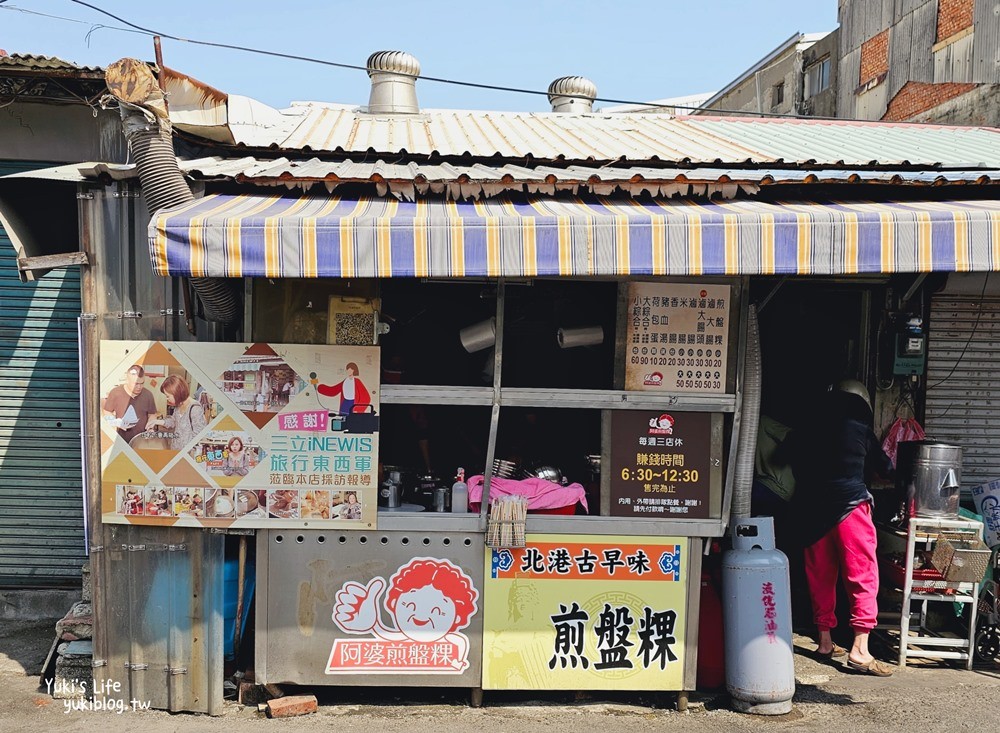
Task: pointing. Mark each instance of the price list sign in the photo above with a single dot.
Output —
(678, 337)
(661, 464)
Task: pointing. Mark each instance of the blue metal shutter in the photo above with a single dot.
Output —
(41, 504)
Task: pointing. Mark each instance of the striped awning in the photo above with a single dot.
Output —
(271, 236)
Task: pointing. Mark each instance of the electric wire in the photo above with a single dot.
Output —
(134, 28)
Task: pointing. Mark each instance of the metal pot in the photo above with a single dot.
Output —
(390, 493)
(931, 473)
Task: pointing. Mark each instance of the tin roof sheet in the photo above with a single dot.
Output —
(625, 137)
(408, 180)
(35, 62)
(859, 143)
(252, 169)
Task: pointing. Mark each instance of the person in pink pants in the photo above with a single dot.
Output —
(832, 506)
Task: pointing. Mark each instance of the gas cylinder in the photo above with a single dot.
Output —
(711, 667)
(757, 620)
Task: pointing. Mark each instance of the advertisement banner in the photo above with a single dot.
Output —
(678, 337)
(241, 435)
(549, 626)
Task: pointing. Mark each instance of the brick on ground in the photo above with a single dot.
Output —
(78, 623)
(288, 707)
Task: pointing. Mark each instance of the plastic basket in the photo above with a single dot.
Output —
(562, 510)
(960, 558)
(893, 572)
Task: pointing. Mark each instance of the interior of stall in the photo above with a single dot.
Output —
(557, 335)
(814, 333)
(525, 381)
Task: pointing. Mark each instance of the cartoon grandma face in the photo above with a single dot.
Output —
(430, 598)
(425, 614)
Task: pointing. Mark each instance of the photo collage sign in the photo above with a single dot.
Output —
(239, 435)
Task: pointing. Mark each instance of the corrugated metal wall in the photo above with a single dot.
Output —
(913, 33)
(922, 37)
(900, 47)
(158, 591)
(963, 396)
(986, 44)
(41, 507)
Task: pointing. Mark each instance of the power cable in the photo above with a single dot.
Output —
(975, 326)
(134, 28)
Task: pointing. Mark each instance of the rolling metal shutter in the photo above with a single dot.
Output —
(41, 506)
(964, 408)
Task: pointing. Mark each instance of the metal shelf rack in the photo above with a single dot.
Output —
(916, 640)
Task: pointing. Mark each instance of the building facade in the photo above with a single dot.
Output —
(796, 78)
(51, 117)
(919, 61)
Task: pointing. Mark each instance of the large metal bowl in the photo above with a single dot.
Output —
(548, 473)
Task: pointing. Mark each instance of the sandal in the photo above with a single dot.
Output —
(872, 666)
(837, 651)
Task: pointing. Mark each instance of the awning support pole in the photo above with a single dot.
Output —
(774, 290)
(484, 506)
(917, 282)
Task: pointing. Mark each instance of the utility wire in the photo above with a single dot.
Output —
(134, 28)
(975, 327)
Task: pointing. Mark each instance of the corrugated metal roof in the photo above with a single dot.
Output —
(255, 170)
(478, 180)
(630, 137)
(541, 135)
(35, 62)
(670, 104)
(860, 143)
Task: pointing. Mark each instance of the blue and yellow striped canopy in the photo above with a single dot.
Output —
(272, 236)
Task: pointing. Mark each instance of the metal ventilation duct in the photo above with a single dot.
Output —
(394, 83)
(572, 94)
(147, 131)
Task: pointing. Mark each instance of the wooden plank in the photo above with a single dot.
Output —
(48, 262)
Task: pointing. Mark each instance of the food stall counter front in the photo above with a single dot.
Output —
(604, 598)
(615, 439)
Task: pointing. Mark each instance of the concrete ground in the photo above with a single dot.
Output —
(927, 698)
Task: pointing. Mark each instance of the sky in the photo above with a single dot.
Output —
(633, 51)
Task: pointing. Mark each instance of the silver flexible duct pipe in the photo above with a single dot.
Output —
(163, 186)
(749, 421)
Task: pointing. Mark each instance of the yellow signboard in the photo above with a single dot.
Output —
(586, 612)
(241, 435)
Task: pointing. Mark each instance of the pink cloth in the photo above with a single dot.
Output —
(851, 546)
(541, 494)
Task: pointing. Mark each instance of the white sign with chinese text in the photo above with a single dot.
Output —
(677, 338)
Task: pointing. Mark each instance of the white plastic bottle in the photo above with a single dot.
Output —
(460, 494)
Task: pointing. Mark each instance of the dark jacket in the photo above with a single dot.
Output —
(834, 459)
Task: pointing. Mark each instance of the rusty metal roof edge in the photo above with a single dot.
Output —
(38, 63)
